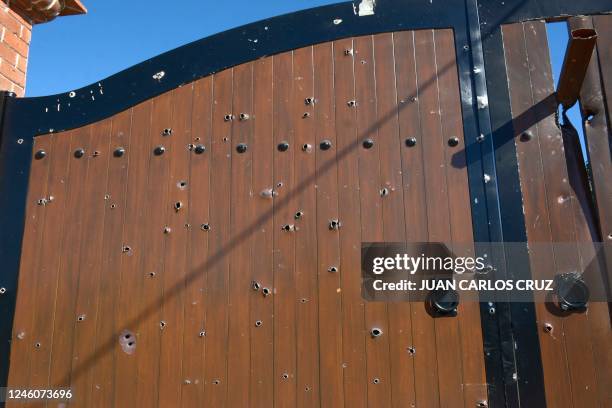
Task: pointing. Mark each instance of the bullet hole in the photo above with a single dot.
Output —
(37, 345)
(352, 104)
(42, 201)
(162, 325)
(306, 148)
(487, 178)
(411, 350)
(96, 153)
(151, 274)
(526, 136)
(39, 155)
(334, 224)
(205, 227)
(244, 116)
(159, 150)
(333, 269)
(348, 51)
(298, 215)
(267, 193)
(309, 101)
(480, 138)
(548, 328)
(119, 152)
(376, 332)
(107, 196)
(609, 237)
(177, 206)
(279, 184)
(481, 404)
(303, 300)
(167, 230)
(288, 227)
(187, 381)
(411, 142)
(307, 389)
(78, 153)
(589, 118)
(225, 139)
(202, 333)
(305, 115)
(285, 376)
(181, 184)
(127, 341)
(228, 117)
(241, 148)
(453, 141)
(81, 318)
(113, 206)
(216, 382)
(255, 285)
(20, 141)
(283, 146)
(384, 192)
(337, 21)
(492, 311)
(258, 323)
(265, 291)
(325, 145)
(159, 75)
(21, 335)
(368, 144)
(126, 249)
(376, 381)
(2, 291)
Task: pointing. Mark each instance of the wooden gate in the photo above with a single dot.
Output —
(188, 231)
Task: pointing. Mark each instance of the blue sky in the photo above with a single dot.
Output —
(75, 51)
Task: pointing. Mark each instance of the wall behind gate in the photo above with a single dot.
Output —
(146, 233)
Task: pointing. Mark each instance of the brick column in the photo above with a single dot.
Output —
(16, 20)
(15, 37)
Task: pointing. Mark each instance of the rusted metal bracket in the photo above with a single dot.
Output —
(577, 57)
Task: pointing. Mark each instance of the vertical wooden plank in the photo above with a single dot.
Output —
(394, 225)
(198, 186)
(85, 317)
(110, 279)
(353, 331)
(556, 380)
(215, 369)
(416, 213)
(377, 349)
(470, 333)
(284, 240)
(328, 246)
(24, 337)
(307, 329)
(561, 211)
(45, 283)
(126, 314)
(149, 323)
(64, 317)
(447, 330)
(239, 343)
(262, 307)
(174, 276)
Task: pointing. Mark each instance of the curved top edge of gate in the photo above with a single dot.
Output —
(201, 58)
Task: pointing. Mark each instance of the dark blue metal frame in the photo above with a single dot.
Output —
(476, 24)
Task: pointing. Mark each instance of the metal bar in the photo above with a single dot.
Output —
(15, 161)
(577, 57)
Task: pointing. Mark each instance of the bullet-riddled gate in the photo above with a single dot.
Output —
(191, 227)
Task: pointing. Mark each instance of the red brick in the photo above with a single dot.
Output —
(22, 64)
(26, 34)
(5, 84)
(7, 20)
(16, 43)
(13, 74)
(19, 91)
(8, 54)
